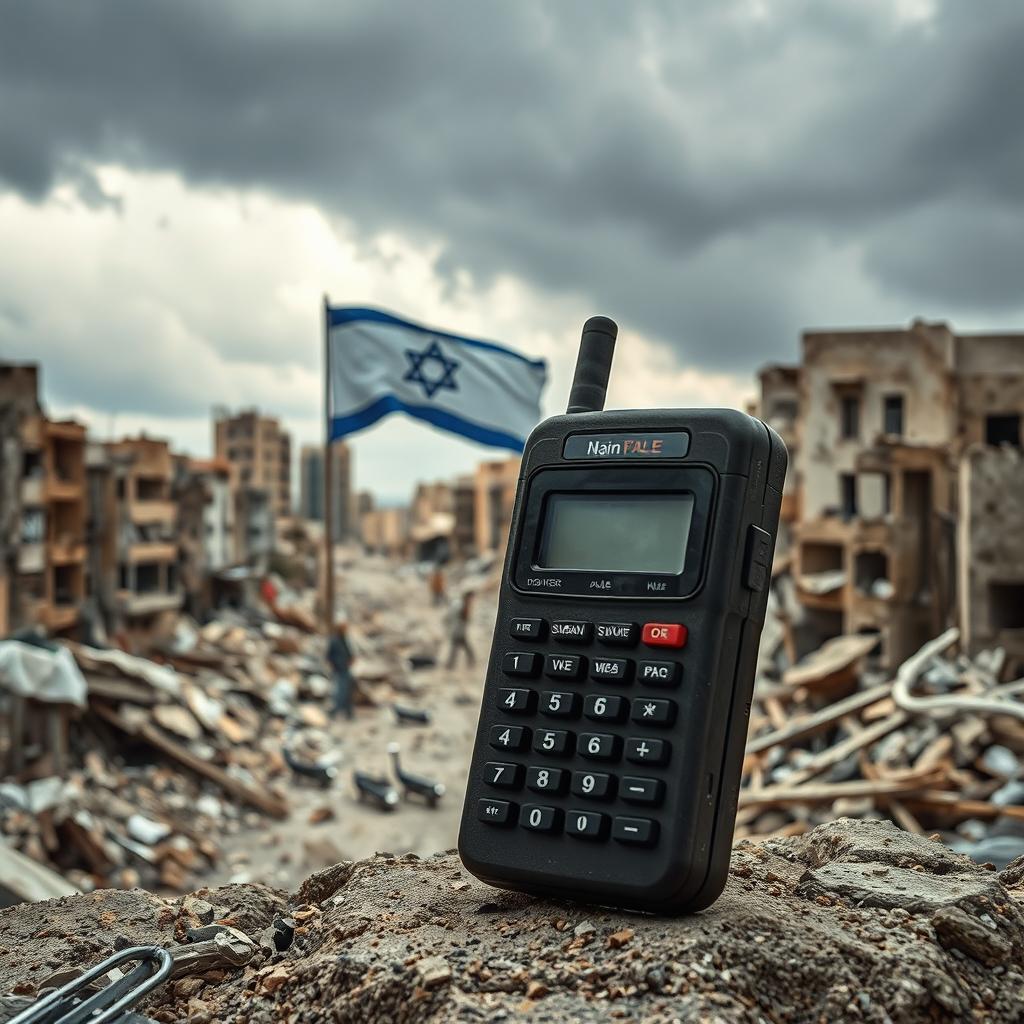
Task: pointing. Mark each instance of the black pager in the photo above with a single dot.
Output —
(608, 754)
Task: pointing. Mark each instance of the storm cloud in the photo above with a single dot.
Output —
(707, 172)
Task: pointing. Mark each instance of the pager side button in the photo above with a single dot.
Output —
(758, 559)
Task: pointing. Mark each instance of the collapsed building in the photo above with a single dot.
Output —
(904, 454)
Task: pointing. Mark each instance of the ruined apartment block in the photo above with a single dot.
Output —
(879, 424)
(260, 452)
(147, 592)
(43, 497)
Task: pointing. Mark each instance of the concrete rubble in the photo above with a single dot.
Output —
(854, 921)
(171, 755)
(936, 745)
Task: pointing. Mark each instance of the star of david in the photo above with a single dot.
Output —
(432, 369)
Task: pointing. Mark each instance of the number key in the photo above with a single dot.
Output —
(559, 703)
(585, 824)
(509, 737)
(551, 741)
(504, 776)
(539, 819)
(545, 780)
(603, 708)
(515, 700)
(598, 746)
(520, 663)
(595, 785)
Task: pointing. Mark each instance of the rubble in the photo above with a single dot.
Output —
(807, 929)
(937, 747)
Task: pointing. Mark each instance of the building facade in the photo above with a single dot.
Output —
(878, 424)
(260, 453)
(311, 488)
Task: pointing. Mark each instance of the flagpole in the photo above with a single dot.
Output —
(328, 480)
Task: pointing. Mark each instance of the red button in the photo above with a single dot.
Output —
(664, 634)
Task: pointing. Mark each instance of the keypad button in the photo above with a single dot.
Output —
(520, 663)
(603, 708)
(617, 634)
(585, 824)
(659, 673)
(509, 737)
(598, 746)
(654, 712)
(664, 634)
(503, 775)
(560, 703)
(595, 785)
(551, 741)
(538, 818)
(641, 750)
(642, 791)
(612, 670)
(526, 629)
(573, 632)
(516, 701)
(545, 780)
(640, 831)
(495, 812)
(563, 666)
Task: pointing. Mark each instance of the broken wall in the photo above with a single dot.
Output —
(990, 385)
(915, 364)
(991, 549)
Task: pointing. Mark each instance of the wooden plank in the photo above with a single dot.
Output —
(253, 795)
(933, 798)
(826, 792)
(808, 725)
(28, 880)
(834, 658)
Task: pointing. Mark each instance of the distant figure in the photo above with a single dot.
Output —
(459, 628)
(437, 586)
(339, 657)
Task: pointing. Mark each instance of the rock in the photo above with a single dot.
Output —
(198, 908)
(880, 885)
(388, 940)
(957, 929)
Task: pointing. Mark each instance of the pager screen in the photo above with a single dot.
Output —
(612, 532)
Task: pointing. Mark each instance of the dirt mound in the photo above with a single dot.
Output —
(855, 921)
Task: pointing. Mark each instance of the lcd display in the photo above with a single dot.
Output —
(616, 532)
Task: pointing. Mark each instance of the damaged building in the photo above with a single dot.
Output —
(903, 444)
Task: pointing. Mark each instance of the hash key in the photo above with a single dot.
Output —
(515, 700)
(520, 663)
(509, 737)
(654, 712)
(495, 812)
(646, 751)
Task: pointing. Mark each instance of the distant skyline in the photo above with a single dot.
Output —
(181, 182)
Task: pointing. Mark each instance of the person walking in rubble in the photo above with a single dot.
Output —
(458, 630)
(339, 657)
(437, 585)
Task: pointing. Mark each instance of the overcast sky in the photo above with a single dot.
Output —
(181, 181)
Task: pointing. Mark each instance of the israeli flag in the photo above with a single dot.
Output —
(379, 364)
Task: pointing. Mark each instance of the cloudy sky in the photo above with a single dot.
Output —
(181, 181)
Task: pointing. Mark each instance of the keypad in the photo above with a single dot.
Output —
(589, 747)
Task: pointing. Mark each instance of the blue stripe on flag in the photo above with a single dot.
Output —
(380, 407)
(353, 314)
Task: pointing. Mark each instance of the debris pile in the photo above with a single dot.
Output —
(938, 746)
(855, 921)
(165, 756)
